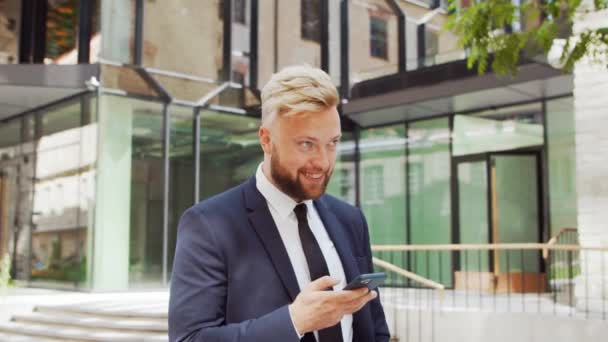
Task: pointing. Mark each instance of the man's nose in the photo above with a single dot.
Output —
(322, 159)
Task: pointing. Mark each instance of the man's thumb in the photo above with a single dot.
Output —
(322, 283)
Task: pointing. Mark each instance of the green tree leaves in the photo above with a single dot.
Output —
(503, 32)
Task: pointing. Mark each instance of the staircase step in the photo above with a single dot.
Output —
(22, 338)
(105, 310)
(95, 322)
(77, 334)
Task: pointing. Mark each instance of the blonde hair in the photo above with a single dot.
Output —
(297, 89)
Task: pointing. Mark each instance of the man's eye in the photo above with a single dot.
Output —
(306, 144)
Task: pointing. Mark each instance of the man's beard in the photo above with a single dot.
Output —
(294, 187)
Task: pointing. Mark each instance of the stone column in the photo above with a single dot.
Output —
(591, 135)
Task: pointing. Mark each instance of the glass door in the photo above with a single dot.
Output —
(496, 199)
(515, 210)
(472, 178)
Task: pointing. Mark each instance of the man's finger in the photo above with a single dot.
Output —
(322, 283)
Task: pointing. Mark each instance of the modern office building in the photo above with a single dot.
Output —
(116, 116)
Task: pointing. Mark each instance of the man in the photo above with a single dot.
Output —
(267, 260)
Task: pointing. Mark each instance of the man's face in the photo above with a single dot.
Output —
(302, 151)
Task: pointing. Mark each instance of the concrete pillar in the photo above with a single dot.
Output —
(591, 121)
(110, 264)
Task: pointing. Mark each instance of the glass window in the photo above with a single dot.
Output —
(561, 148)
(383, 185)
(311, 20)
(118, 30)
(431, 43)
(378, 41)
(230, 151)
(241, 33)
(64, 193)
(240, 11)
(95, 42)
(146, 217)
(373, 36)
(61, 31)
(498, 129)
(342, 182)
(181, 186)
(429, 188)
(10, 138)
(10, 25)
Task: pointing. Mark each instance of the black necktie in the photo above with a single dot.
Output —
(317, 267)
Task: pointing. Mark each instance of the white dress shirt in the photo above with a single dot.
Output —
(281, 208)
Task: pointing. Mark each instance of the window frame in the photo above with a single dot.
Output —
(310, 20)
(376, 51)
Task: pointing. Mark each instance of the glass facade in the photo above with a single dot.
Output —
(47, 172)
(342, 181)
(429, 194)
(471, 178)
(118, 30)
(383, 184)
(562, 164)
(88, 175)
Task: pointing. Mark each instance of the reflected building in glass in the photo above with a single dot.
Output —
(116, 116)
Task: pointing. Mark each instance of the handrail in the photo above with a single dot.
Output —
(488, 247)
(563, 231)
(556, 237)
(407, 274)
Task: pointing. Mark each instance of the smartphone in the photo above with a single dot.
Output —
(369, 280)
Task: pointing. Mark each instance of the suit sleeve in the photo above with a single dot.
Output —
(380, 326)
(198, 291)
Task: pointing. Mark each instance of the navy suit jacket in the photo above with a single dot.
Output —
(232, 279)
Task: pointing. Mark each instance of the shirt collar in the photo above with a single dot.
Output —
(281, 202)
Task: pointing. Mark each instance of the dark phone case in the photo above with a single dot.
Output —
(369, 280)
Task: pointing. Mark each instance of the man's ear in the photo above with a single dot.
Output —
(265, 139)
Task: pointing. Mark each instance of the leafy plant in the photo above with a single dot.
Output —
(485, 30)
(5, 274)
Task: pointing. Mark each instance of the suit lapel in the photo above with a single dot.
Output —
(338, 234)
(263, 224)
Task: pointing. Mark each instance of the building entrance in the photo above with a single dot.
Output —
(497, 200)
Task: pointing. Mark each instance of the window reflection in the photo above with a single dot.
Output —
(10, 25)
(383, 183)
(373, 35)
(63, 193)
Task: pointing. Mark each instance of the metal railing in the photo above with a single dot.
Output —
(557, 278)
(410, 314)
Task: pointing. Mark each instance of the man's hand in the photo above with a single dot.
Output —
(315, 308)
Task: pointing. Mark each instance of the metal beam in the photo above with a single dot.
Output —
(401, 34)
(196, 147)
(139, 32)
(84, 32)
(166, 179)
(39, 32)
(227, 48)
(421, 34)
(25, 35)
(203, 101)
(325, 35)
(154, 84)
(253, 44)
(344, 52)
